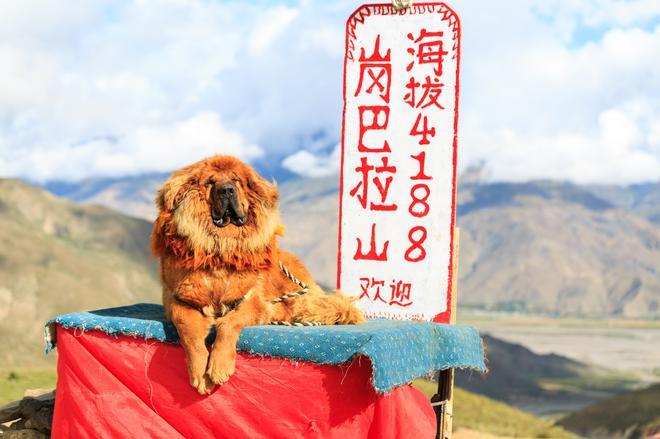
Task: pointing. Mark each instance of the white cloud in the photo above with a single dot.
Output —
(153, 148)
(307, 164)
(270, 26)
(544, 107)
(609, 156)
(558, 89)
(128, 70)
(600, 12)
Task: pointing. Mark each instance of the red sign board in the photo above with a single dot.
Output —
(398, 182)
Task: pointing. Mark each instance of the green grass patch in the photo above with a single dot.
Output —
(483, 414)
(14, 382)
(630, 414)
(598, 383)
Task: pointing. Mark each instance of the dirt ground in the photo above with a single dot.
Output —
(630, 348)
(464, 433)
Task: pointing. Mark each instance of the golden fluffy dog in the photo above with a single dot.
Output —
(216, 239)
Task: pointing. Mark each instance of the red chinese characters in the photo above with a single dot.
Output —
(425, 94)
(375, 172)
(378, 69)
(382, 184)
(388, 153)
(374, 289)
(373, 254)
(400, 293)
(371, 289)
(426, 51)
(398, 175)
(373, 118)
(422, 130)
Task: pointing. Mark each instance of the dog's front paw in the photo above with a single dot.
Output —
(202, 383)
(221, 366)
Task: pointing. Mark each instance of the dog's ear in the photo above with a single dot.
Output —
(264, 191)
(170, 194)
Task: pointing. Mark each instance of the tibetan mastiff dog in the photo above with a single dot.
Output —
(216, 238)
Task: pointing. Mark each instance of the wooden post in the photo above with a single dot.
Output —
(443, 401)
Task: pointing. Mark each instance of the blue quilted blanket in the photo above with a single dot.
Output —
(400, 351)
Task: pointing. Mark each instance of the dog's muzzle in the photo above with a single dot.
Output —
(225, 207)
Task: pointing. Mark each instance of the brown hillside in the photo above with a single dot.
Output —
(554, 256)
(58, 257)
(542, 247)
(631, 415)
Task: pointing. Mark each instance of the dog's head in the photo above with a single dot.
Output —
(218, 205)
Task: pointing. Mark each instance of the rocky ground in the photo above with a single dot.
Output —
(29, 418)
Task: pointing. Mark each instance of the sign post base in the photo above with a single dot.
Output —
(443, 401)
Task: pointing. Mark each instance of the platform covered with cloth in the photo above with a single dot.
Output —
(121, 371)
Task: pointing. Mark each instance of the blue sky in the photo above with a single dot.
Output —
(561, 89)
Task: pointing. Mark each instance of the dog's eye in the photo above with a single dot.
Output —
(210, 182)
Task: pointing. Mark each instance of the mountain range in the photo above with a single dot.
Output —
(542, 246)
(57, 257)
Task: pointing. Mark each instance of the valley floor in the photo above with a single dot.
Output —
(624, 346)
(628, 348)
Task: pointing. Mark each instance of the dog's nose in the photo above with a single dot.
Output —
(226, 189)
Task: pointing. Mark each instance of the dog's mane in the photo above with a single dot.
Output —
(184, 233)
(166, 241)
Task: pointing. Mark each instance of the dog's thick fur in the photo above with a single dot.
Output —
(204, 266)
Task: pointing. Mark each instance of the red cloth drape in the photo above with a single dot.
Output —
(123, 387)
